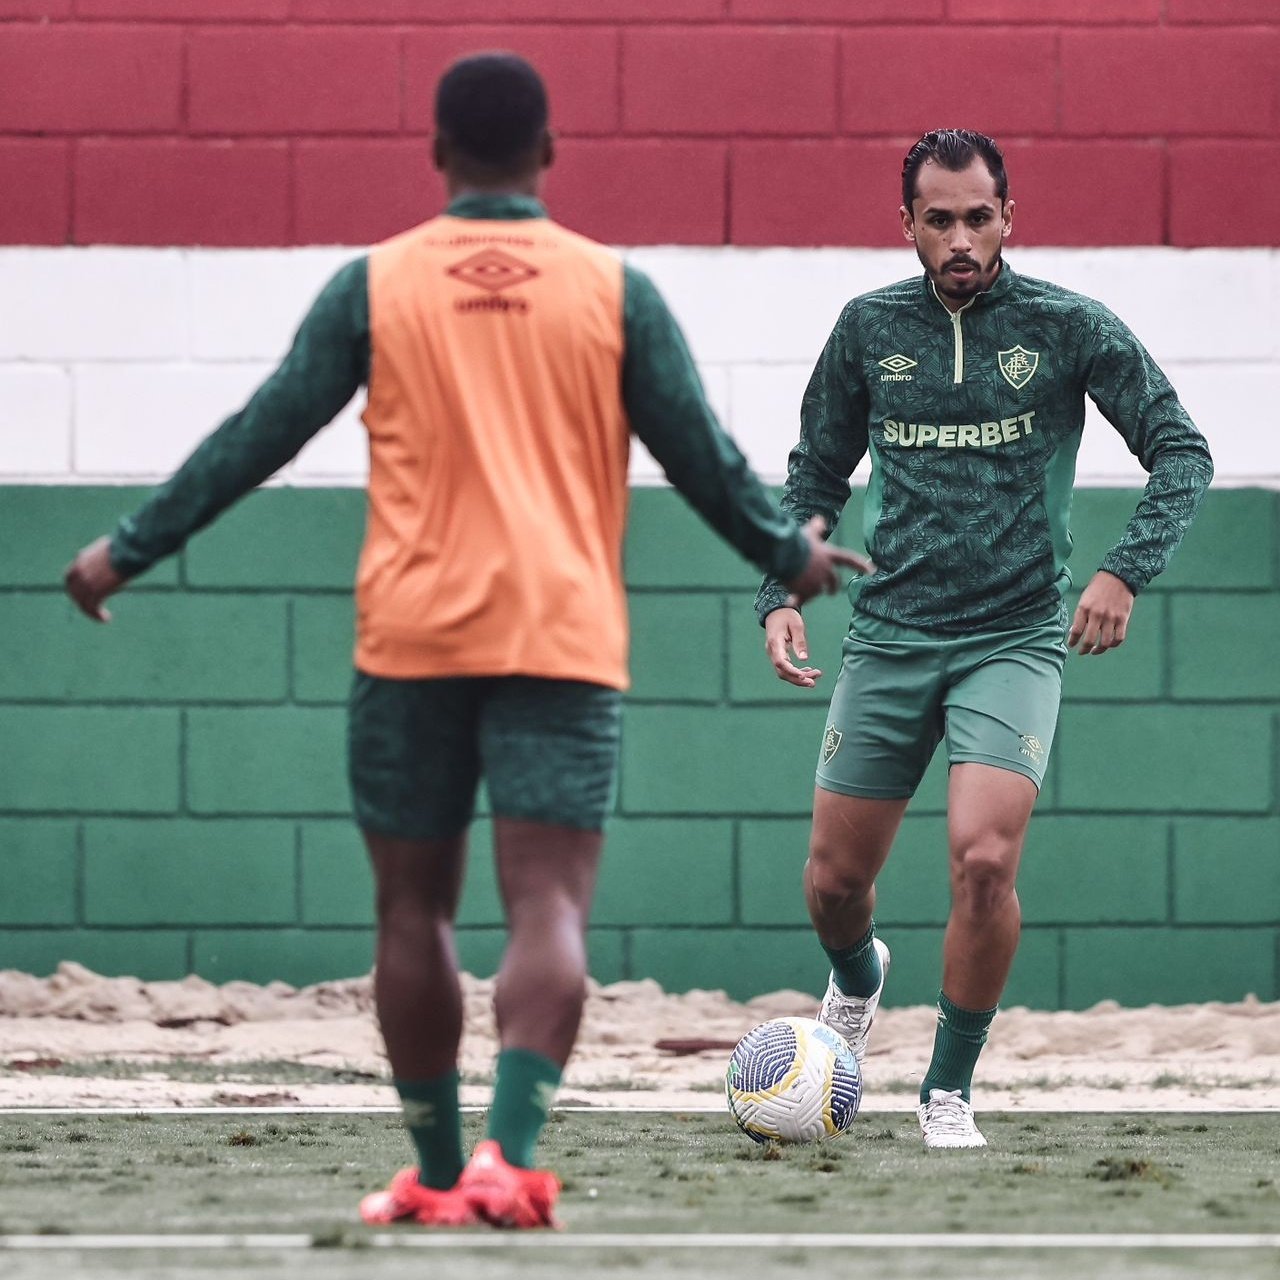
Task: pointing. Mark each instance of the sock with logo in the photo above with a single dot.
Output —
(957, 1043)
(431, 1116)
(856, 968)
(524, 1087)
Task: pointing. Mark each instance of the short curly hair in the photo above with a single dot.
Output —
(492, 107)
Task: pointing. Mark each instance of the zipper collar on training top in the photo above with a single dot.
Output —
(1002, 284)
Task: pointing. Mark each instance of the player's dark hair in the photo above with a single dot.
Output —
(492, 107)
(955, 150)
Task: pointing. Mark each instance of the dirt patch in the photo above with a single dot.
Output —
(640, 1046)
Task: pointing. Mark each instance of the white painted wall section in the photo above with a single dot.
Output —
(115, 362)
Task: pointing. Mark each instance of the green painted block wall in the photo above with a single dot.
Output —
(173, 792)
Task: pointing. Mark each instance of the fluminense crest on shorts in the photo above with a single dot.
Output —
(1018, 366)
(830, 743)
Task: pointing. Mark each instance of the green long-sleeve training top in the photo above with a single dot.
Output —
(330, 360)
(973, 421)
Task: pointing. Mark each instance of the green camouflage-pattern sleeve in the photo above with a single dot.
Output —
(327, 364)
(668, 411)
(833, 440)
(1134, 395)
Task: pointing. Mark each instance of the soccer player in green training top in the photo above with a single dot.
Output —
(967, 387)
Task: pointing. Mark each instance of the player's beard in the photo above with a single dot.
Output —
(982, 279)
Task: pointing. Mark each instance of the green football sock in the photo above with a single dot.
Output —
(856, 968)
(434, 1123)
(957, 1043)
(524, 1088)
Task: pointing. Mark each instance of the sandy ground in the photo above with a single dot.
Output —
(639, 1047)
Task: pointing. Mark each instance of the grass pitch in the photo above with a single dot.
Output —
(636, 1174)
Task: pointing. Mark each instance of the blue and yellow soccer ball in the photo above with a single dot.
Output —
(793, 1080)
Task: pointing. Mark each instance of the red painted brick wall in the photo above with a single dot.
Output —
(277, 122)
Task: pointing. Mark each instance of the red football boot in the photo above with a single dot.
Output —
(406, 1199)
(506, 1196)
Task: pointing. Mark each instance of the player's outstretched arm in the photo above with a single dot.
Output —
(668, 411)
(821, 576)
(324, 368)
(1134, 395)
(833, 440)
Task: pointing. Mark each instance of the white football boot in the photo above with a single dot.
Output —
(946, 1121)
(851, 1016)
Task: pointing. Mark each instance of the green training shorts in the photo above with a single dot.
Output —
(416, 750)
(994, 695)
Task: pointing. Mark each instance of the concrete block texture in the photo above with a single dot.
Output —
(305, 122)
(35, 420)
(173, 788)
(106, 304)
(179, 871)
(731, 80)
(180, 180)
(119, 360)
(77, 78)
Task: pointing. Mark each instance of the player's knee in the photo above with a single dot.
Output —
(411, 906)
(983, 876)
(836, 881)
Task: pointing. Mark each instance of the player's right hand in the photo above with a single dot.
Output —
(91, 577)
(783, 636)
(821, 575)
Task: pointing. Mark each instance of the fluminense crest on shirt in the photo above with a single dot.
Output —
(1018, 366)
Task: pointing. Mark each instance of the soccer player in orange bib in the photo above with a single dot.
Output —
(507, 361)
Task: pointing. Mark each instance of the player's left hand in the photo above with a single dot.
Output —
(1102, 616)
(91, 577)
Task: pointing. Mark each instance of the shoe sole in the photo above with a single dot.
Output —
(500, 1206)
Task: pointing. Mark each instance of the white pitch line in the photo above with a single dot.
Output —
(335, 1111)
(158, 1242)
(866, 1240)
(477, 1109)
(204, 1111)
(656, 1240)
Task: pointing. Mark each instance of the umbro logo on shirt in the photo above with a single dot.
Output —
(897, 366)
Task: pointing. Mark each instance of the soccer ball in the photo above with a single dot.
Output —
(793, 1080)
